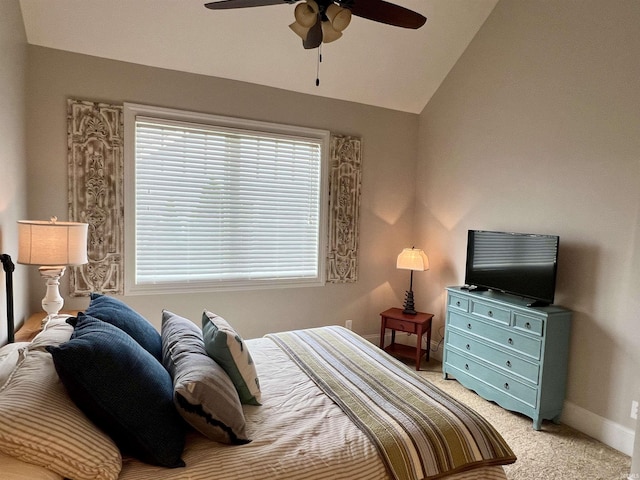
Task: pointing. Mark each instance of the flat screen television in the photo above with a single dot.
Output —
(520, 264)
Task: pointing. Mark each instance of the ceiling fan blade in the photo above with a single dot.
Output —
(314, 37)
(227, 4)
(385, 12)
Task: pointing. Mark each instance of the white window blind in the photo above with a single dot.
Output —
(221, 206)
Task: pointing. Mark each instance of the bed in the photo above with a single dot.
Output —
(328, 404)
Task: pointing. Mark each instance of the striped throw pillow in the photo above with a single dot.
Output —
(39, 424)
(203, 393)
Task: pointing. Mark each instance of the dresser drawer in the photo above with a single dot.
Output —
(503, 383)
(506, 361)
(505, 337)
(401, 325)
(528, 324)
(491, 312)
(459, 303)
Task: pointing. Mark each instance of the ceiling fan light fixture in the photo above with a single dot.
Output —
(329, 34)
(299, 30)
(322, 21)
(338, 16)
(306, 13)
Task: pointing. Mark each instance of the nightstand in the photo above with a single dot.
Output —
(419, 324)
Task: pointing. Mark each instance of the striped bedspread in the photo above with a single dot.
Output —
(420, 431)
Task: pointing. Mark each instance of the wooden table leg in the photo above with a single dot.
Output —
(428, 339)
(419, 347)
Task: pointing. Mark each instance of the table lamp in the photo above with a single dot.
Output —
(53, 245)
(411, 259)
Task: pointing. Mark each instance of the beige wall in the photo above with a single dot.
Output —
(13, 66)
(389, 152)
(537, 129)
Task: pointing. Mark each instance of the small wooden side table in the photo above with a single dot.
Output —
(419, 324)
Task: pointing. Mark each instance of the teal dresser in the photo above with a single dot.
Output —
(507, 352)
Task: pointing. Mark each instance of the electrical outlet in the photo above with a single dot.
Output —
(349, 325)
(634, 409)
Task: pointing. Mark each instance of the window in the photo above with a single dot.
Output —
(215, 202)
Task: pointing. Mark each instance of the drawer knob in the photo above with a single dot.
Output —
(466, 366)
(490, 313)
(458, 303)
(469, 326)
(468, 347)
(510, 341)
(528, 325)
(506, 386)
(509, 363)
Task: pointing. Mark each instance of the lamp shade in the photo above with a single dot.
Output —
(52, 243)
(299, 30)
(412, 259)
(306, 14)
(338, 16)
(329, 34)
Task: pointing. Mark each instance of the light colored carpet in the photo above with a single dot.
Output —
(553, 453)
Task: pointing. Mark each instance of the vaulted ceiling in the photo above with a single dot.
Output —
(373, 63)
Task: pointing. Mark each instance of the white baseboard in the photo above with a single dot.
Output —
(610, 433)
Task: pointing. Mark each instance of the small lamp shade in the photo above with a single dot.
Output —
(299, 30)
(338, 16)
(413, 259)
(52, 243)
(329, 34)
(306, 14)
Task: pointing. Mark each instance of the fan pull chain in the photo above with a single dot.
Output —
(318, 65)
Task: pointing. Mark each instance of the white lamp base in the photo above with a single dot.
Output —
(52, 302)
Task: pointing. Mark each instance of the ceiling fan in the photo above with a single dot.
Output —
(322, 21)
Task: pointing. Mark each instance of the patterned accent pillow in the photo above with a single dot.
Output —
(123, 390)
(202, 391)
(117, 313)
(39, 424)
(227, 348)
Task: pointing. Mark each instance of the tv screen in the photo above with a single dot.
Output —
(517, 263)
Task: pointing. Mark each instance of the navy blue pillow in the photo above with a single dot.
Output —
(113, 311)
(123, 390)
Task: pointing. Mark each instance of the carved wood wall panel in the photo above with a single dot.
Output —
(95, 161)
(344, 207)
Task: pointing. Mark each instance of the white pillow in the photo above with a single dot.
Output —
(10, 355)
(56, 331)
